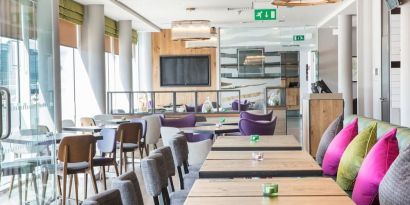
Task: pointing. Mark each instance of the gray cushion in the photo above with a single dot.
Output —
(129, 187)
(110, 197)
(394, 188)
(179, 147)
(161, 168)
(327, 137)
(169, 160)
(152, 180)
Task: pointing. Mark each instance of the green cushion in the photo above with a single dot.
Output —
(354, 155)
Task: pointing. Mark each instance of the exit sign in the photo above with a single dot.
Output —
(298, 37)
(265, 14)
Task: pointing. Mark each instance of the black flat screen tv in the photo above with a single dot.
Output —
(185, 70)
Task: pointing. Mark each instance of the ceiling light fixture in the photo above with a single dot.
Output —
(191, 30)
(210, 43)
(292, 3)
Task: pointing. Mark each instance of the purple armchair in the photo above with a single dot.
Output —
(250, 127)
(192, 108)
(256, 117)
(241, 106)
(188, 121)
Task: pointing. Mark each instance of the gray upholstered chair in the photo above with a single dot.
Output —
(129, 187)
(169, 163)
(110, 197)
(153, 133)
(152, 180)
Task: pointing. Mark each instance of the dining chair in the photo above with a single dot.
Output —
(152, 179)
(179, 148)
(75, 156)
(256, 117)
(67, 123)
(107, 147)
(129, 187)
(110, 197)
(87, 121)
(250, 127)
(129, 140)
(144, 132)
(153, 131)
(169, 163)
(198, 151)
(168, 133)
(240, 105)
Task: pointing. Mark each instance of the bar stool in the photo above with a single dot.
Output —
(76, 155)
(169, 163)
(129, 139)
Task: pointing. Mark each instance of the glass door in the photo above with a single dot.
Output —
(27, 155)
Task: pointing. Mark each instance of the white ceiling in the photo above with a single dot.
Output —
(163, 12)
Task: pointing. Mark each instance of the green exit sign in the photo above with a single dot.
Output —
(298, 37)
(265, 14)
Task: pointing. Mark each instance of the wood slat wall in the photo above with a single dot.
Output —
(163, 45)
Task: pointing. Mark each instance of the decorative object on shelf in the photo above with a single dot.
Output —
(207, 107)
(274, 98)
(270, 189)
(190, 30)
(292, 3)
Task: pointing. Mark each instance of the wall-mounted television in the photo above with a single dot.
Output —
(185, 70)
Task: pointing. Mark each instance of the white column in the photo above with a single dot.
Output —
(405, 64)
(345, 62)
(92, 53)
(367, 57)
(360, 54)
(145, 61)
(125, 42)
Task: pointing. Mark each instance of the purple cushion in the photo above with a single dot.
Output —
(336, 148)
(187, 121)
(256, 117)
(373, 169)
(195, 137)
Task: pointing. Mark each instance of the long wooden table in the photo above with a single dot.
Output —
(310, 186)
(234, 164)
(285, 200)
(266, 143)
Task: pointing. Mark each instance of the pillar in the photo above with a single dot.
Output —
(125, 43)
(367, 57)
(92, 54)
(405, 64)
(145, 61)
(345, 62)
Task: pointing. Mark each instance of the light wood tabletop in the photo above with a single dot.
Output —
(234, 164)
(242, 143)
(211, 129)
(281, 200)
(310, 186)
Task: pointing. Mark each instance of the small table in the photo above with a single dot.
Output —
(226, 164)
(284, 200)
(211, 129)
(266, 143)
(116, 121)
(310, 186)
(35, 140)
(83, 129)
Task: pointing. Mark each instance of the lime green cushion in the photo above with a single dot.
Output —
(354, 155)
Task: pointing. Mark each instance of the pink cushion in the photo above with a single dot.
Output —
(373, 169)
(336, 148)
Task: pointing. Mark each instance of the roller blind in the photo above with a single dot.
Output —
(134, 37)
(111, 27)
(71, 11)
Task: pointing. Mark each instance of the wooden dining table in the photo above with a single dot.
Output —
(211, 129)
(266, 143)
(284, 200)
(235, 164)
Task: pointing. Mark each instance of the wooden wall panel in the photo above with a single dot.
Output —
(163, 45)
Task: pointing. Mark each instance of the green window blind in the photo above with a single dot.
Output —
(111, 27)
(71, 11)
(134, 37)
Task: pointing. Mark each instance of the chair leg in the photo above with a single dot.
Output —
(125, 161)
(133, 161)
(76, 188)
(165, 196)
(20, 189)
(59, 185)
(70, 184)
(104, 178)
(44, 180)
(155, 146)
(94, 181)
(116, 168)
(11, 185)
(147, 149)
(172, 184)
(121, 162)
(34, 178)
(156, 201)
(26, 191)
(85, 184)
(64, 187)
(181, 178)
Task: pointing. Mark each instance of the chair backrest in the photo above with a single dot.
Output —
(81, 148)
(151, 177)
(87, 121)
(240, 105)
(43, 128)
(129, 132)
(179, 147)
(129, 187)
(144, 125)
(187, 121)
(68, 123)
(109, 197)
(103, 117)
(161, 168)
(256, 117)
(153, 129)
(198, 151)
(250, 127)
(168, 133)
(108, 143)
(169, 159)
